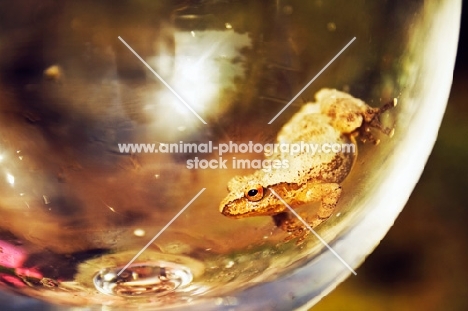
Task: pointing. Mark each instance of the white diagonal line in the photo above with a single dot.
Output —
(313, 79)
(161, 231)
(162, 80)
(313, 231)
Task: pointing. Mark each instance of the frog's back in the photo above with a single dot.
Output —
(313, 128)
(312, 167)
(325, 156)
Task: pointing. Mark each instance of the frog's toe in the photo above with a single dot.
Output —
(299, 233)
(302, 238)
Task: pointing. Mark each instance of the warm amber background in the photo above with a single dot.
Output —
(422, 264)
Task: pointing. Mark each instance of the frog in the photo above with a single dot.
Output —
(335, 117)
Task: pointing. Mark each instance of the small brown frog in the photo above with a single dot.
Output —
(326, 132)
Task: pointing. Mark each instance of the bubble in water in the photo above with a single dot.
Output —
(143, 279)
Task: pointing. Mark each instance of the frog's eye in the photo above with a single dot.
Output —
(254, 194)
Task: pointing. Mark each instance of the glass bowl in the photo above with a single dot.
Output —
(87, 224)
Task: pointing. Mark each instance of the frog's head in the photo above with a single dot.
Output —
(248, 197)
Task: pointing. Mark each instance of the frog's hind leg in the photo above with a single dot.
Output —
(351, 115)
(346, 112)
(372, 120)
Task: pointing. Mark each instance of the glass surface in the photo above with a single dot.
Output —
(76, 210)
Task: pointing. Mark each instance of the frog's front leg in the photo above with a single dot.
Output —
(327, 194)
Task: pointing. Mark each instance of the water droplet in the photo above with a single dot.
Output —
(144, 279)
(46, 199)
(53, 72)
(139, 232)
(10, 179)
(228, 26)
(227, 301)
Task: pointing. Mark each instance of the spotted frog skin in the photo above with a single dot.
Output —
(335, 118)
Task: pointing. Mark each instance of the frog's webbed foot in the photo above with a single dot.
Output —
(372, 120)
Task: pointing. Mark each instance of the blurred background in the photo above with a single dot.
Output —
(422, 263)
